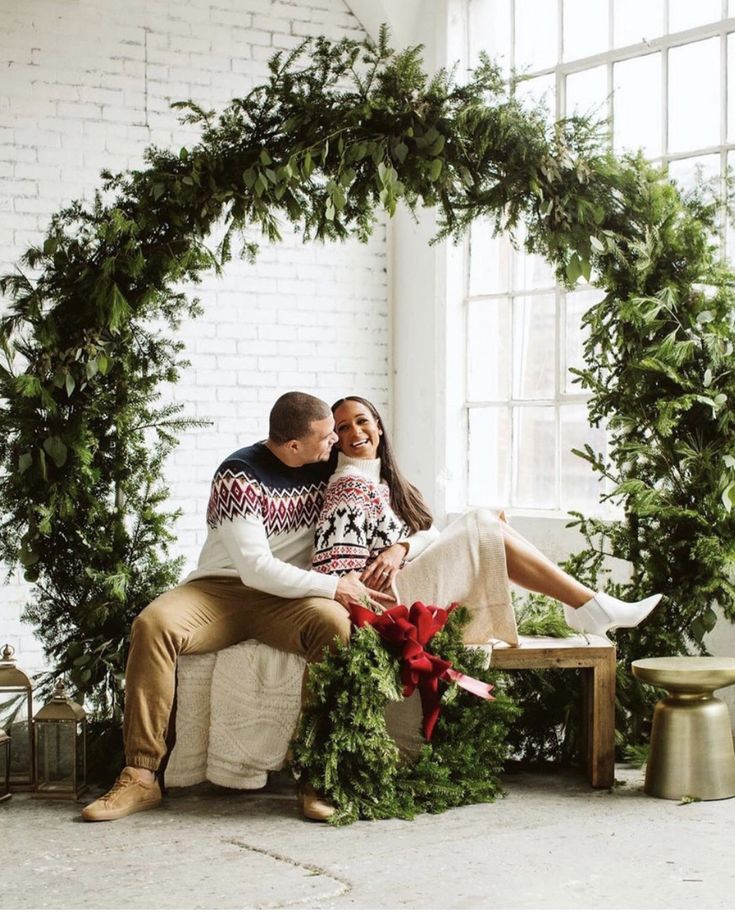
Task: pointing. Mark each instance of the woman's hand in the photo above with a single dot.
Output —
(379, 574)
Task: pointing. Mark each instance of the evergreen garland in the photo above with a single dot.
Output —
(344, 750)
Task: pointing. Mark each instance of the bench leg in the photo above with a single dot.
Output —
(599, 684)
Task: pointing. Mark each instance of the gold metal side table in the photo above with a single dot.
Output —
(691, 741)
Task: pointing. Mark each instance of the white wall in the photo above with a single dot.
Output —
(86, 85)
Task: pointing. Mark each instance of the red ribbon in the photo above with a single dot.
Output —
(410, 631)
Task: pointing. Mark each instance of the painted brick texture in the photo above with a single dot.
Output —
(87, 85)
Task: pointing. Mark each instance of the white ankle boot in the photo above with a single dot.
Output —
(603, 613)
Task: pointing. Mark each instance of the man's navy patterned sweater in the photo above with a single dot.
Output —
(261, 518)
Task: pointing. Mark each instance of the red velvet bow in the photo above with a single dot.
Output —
(410, 631)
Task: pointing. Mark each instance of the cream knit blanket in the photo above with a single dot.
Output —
(235, 715)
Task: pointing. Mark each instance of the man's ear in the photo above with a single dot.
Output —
(293, 445)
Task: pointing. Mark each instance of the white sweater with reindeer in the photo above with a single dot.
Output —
(356, 522)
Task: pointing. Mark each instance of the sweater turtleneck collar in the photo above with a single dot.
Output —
(368, 468)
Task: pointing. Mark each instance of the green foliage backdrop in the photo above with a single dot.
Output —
(339, 132)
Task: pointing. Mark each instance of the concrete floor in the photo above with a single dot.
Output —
(551, 843)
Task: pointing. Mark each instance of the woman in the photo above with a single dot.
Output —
(375, 523)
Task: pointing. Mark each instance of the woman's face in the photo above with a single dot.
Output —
(358, 432)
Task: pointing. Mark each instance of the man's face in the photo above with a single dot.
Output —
(317, 444)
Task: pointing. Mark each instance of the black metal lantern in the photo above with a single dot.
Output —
(61, 748)
(4, 766)
(16, 719)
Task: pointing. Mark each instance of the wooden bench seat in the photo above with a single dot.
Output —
(237, 709)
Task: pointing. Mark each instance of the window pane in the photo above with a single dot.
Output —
(687, 170)
(536, 34)
(535, 457)
(637, 105)
(577, 304)
(580, 489)
(635, 21)
(586, 28)
(694, 94)
(530, 270)
(489, 462)
(731, 86)
(489, 350)
(686, 14)
(534, 337)
(490, 31)
(539, 90)
(490, 260)
(730, 240)
(587, 93)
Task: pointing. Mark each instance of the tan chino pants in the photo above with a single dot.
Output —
(204, 616)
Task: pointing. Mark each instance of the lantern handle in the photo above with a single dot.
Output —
(8, 652)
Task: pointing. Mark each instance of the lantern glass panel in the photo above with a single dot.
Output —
(14, 720)
(4, 768)
(57, 757)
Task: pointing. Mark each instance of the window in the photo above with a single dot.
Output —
(659, 71)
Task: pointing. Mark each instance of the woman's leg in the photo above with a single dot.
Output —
(532, 570)
(585, 610)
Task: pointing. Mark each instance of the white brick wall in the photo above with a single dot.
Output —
(86, 85)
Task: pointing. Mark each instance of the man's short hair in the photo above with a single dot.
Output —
(292, 416)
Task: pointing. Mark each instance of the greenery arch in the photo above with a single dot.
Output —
(327, 141)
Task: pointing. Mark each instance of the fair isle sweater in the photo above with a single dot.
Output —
(356, 522)
(261, 519)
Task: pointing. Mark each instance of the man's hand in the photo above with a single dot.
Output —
(350, 589)
(379, 574)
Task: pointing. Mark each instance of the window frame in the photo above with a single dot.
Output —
(561, 70)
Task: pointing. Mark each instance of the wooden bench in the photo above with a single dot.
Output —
(237, 708)
(595, 657)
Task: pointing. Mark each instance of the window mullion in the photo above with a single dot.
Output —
(560, 32)
(560, 352)
(665, 102)
(723, 137)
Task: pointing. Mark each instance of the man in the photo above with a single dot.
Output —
(252, 582)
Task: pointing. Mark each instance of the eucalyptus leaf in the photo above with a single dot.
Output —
(56, 449)
(27, 555)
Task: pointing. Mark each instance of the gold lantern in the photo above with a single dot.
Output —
(61, 747)
(16, 718)
(4, 766)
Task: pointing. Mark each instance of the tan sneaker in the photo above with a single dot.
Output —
(128, 794)
(313, 806)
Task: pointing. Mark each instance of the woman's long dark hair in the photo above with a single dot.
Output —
(405, 499)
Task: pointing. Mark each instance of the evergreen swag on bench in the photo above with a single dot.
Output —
(338, 132)
(343, 748)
